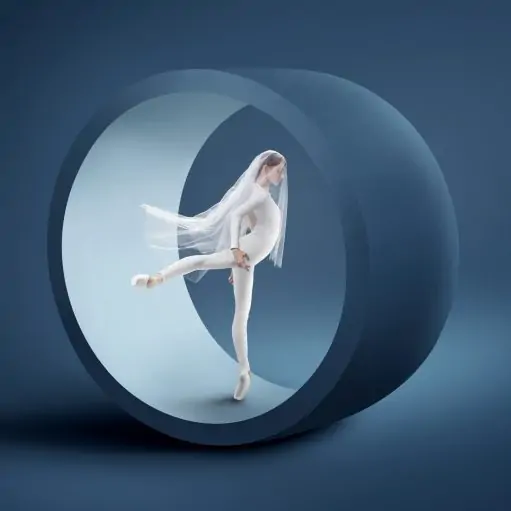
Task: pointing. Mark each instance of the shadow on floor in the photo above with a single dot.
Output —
(103, 427)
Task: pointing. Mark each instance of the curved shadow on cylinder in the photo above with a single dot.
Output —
(398, 225)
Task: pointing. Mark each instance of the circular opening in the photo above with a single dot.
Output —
(160, 344)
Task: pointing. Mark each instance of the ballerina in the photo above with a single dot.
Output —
(239, 232)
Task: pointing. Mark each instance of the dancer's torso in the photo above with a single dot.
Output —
(268, 216)
(262, 238)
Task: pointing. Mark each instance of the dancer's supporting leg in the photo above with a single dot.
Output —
(243, 286)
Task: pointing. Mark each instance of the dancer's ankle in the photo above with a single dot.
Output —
(155, 279)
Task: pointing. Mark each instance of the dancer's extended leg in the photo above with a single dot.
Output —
(243, 286)
(218, 261)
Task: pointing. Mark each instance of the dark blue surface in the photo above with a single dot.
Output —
(441, 441)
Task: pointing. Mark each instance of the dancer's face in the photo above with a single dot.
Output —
(275, 174)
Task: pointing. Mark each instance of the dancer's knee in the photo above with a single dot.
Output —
(239, 324)
(198, 261)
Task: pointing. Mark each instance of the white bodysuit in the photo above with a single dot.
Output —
(258, 244)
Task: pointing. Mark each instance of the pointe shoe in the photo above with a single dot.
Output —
(140, 280)
(147, 281)
(243, 386)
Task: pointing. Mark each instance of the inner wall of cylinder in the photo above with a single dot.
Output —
(154, 343)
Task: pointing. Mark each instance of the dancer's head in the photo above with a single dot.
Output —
(273, 168)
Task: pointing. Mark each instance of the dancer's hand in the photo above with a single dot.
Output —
(241, 258)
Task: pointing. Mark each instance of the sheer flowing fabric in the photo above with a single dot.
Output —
(209, 232)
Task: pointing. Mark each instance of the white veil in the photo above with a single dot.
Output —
(209, 231)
